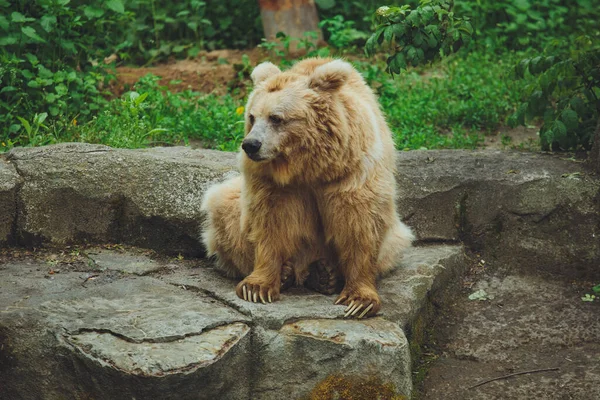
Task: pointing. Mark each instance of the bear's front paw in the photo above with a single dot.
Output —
(361, 302)
(255, 289)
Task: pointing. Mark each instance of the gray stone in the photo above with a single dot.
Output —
(137, 264)
(520, 210)
(180, 332)
(304, 353)
(9, 184)
(424, 270)
(82, 192)
(101, 340)
(531, 323)
(404, 291)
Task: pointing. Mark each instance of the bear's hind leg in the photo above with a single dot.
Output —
(398, 238)
(222, 233)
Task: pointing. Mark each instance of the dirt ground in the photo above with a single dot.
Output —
(210, 72)
(526, 324)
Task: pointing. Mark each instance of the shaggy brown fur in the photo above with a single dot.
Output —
(321, 186)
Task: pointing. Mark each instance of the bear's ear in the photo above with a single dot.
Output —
(331, 76)
(263, 71)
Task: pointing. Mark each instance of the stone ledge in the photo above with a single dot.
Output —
(522, 210)
(9, 186)
(181, 330)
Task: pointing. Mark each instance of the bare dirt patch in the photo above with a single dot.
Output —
(210, 72)
(521, 137)
(528, 323)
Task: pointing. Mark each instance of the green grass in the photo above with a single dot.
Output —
(449, 105)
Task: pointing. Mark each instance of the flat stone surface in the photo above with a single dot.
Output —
(160, 358)
(74, 192)
(403, 292)
(118, 261)
(528, 323)
(183, 330)
(9, 183)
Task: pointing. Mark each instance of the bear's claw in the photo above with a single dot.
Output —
(256, 291)
(253, 297)
(360, 303)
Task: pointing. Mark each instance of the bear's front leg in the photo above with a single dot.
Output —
(264, 283)
(279, 221)
(354, 223)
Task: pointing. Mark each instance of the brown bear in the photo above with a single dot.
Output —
(317, 183)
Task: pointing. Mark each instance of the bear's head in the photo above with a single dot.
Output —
(294, 119)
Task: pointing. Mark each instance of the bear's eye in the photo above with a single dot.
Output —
(251, 118)
(275, 119)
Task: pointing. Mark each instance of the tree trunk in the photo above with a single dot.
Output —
(292, 17)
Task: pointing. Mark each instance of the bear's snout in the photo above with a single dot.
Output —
(251, 146)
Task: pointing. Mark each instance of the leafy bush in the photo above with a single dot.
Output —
(152, 115)
(341, 33)
(418, 36)
(45, 63)
(565, 93)
(522, 24)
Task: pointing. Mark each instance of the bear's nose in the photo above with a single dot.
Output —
(251, 146)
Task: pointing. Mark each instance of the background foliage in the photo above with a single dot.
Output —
(519, 62)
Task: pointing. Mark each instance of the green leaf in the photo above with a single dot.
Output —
(40, 118)
(431, 41)
(25, 124)
(61, 89)
(372, 42)
(8, 40)
(418, 39)
(27, 74)
(560, 132)
(93, 12)
(48, 22)
(116, 6)
(17, 17)
(325, 4)
(3, 23)
(534, 65)
(596, 289)
(32, 59)
(8, 89)
(50, 97)
(397, 63)
(68, 45)
(31, 33)
(388, 34)
(53, 110)
(33, 84)
(570, 119)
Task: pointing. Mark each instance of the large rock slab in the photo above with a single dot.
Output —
(118, 336)
(521, 210)
(83, 192)
(9, 184)
(180, 332)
